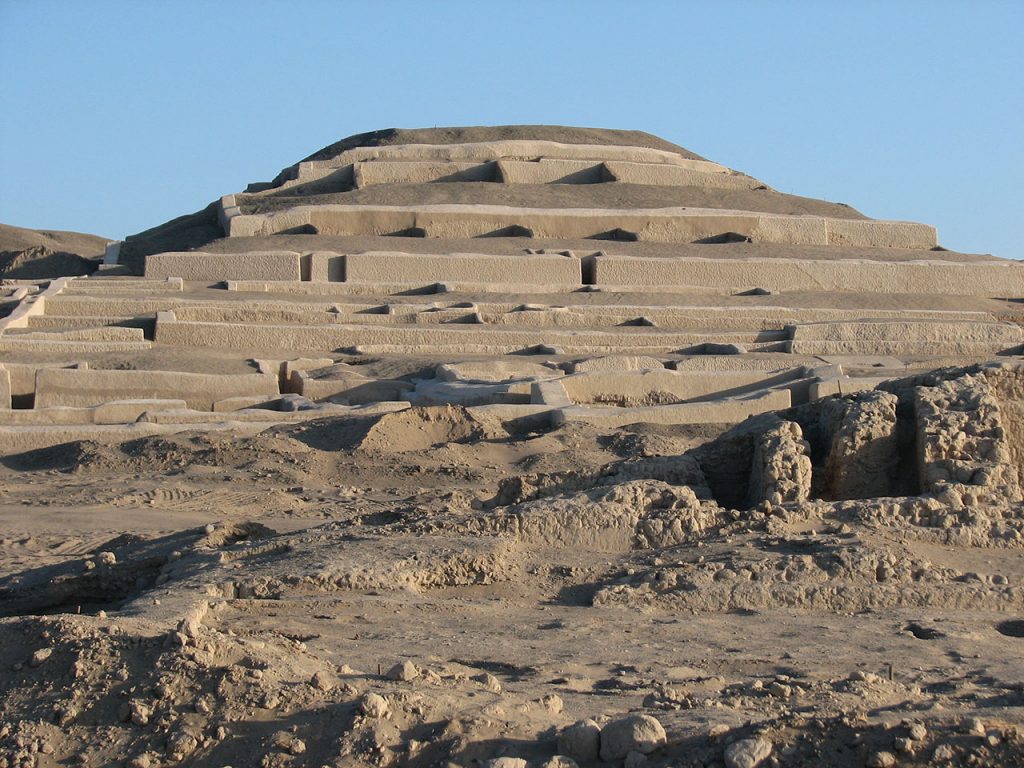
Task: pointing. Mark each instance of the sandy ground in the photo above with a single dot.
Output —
(359, 547)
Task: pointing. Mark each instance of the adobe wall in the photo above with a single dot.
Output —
(928, 277)
(496, 150)
(348, 386)
(440, 338)
(383, 266)
(549, 171)
(900, 337)
(5, 388)
(367, 174)
(664, 175)
(209, 267)
(716, 412)
(83, 388)
(326, 267)
(653, 387)
(65, 347)
(683, 225)
(964, 454)
(96, 286)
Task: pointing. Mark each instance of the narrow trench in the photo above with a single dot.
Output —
(87, 593)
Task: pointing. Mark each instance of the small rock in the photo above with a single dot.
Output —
(281, 740)
(507, 762)
(145, 760)
(904, 744)
(560, 761)
(882, 760)
(374, 705)
(635, 760)
(943, 753)
(489, 681)
(580, 741)
(404, 671)
(747, 753)
(640, 733)
(974, 726)
(106, 558)
(297, 747)
(180, 745)
(918, 731)
(140, 712)
(190, 628)
(40, 656)
(553, 703)
(321, 681)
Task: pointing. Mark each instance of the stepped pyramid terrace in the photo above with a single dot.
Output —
(514, 447)
(603, 271)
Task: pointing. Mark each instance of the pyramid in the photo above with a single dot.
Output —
(509, 447)
(595, 275)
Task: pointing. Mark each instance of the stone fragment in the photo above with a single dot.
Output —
(943, 753)
(404, 671)
(640, 733)
(580, 741)
(553, 703)
(321, 681)
(507, 762)
(560, 761)
(106, 558)
(374, 705)
(489, 681)
(747, 753)
(180, 745)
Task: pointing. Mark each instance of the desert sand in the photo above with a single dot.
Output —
(516, 447)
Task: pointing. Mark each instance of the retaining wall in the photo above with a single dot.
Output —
(928, 277)
(683, 225)
(209, 267)
(82, 388)
(714, 412)
(385, 266)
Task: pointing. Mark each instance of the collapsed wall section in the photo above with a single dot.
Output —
(963, 451)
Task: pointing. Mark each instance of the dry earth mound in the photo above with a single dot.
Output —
(29, 254)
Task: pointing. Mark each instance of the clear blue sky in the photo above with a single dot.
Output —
(118, 115)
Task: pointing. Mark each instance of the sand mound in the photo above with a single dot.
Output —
(422, 428)
(28, 254)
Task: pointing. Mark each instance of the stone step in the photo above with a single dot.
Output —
(681, 225)
(87, 321)
(170, 330)
(88, 387)
(995, 279)
(75, 348)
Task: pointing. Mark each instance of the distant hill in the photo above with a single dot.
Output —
(36, 254)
